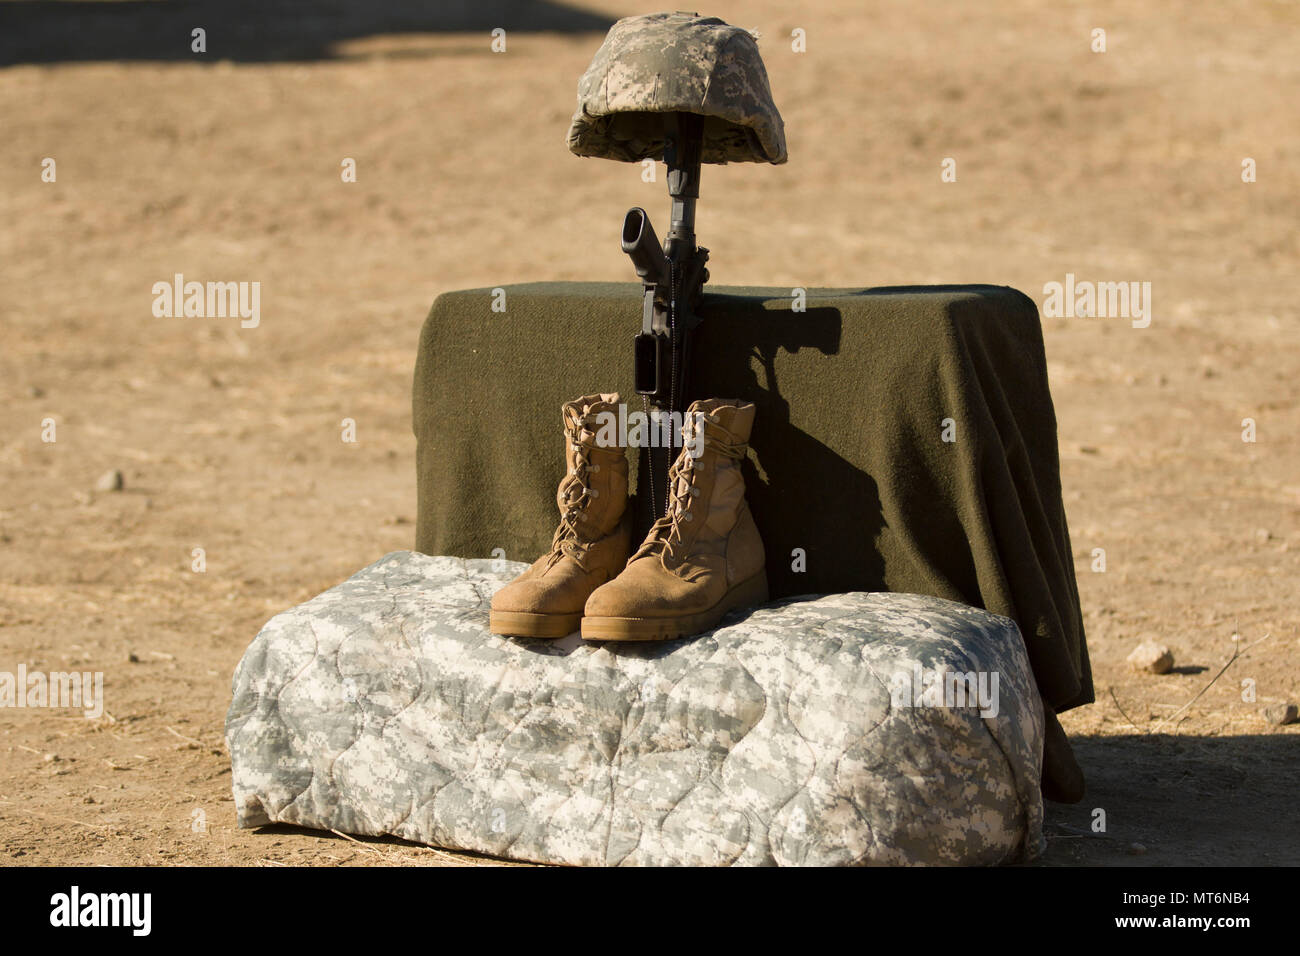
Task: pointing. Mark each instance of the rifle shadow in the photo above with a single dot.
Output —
(804, 495)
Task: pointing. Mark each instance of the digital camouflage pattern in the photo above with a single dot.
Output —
(669, 62)
(384, 706)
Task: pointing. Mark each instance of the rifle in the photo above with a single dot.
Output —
(672, 278)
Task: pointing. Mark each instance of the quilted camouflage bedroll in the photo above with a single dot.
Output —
(789, 735)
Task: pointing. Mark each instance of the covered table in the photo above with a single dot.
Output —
(905, 438)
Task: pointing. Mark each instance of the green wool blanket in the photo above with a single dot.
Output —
(904, 441)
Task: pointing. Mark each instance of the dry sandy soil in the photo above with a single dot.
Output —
(1122, 165)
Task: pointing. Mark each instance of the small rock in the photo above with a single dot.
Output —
(1151, 657)
(133, 658)
(51, 758)
(1263, 534)
(1136, 849)
(1280, 714)
(111, 481)
(35, 391)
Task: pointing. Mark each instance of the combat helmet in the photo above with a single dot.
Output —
(677, 63)
(690, 90)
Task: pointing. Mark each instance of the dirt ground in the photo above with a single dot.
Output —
(1117, 166)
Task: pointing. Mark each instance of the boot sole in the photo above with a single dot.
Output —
(748, 593)
(523, 624)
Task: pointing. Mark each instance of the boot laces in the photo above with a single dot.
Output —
(667, 534)
(576, 492)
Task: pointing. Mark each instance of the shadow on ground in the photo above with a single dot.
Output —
(1185, 800)
(51, 31)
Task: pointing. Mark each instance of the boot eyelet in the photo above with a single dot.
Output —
(595, 467)
(695, 492)
(593, 492)
(687, 517)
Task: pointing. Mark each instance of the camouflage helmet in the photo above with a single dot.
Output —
(668, 62)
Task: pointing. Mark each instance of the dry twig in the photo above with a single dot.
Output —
(1237, 652)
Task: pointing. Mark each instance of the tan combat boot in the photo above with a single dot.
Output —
(704, 556)
(591, 544)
